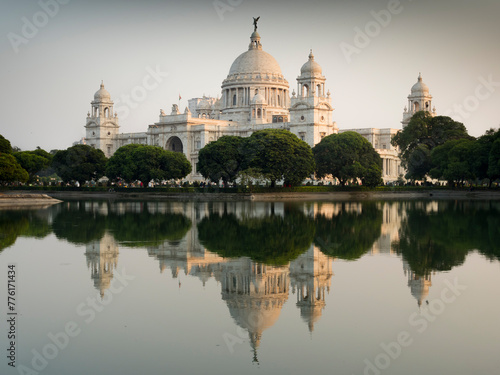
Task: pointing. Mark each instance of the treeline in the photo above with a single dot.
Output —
(82, 163)
(440, 148)
(271, 155)
(274, 155)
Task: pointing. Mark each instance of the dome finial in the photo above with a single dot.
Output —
(102, 84)
(311, 56)
(419, 77)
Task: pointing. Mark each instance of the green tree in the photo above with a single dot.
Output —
(5, 146)
(145, 163)
(422, 134)
(348, 156)
(11, 170)
(33, 161)
(272, 239)
(453, 161)
(221, 159)
(278, 154)
(494, 161)
(349, 234)
(79, 163)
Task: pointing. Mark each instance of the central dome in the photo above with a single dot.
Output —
(255, 61)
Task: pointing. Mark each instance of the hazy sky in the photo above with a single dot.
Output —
(53, 58)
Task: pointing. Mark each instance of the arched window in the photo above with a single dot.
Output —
(259, 113)
(106, 112)
(305, 90)
(416, 107)
(279, 101)
(234, 99)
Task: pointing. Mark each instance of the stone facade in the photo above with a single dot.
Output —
(255, 96)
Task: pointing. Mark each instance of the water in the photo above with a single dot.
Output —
(252, 287)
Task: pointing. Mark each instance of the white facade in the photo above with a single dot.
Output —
(255, 95)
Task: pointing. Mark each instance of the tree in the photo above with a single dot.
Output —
(422, 134)
(453, 161)
(33, 161)
(278, 154)
(79, 163)
(11, 170)
(221, 159)
(5, 147)
(494, 161)
(348, 156)
(145, 163)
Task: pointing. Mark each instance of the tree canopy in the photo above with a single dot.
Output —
(145, 163)
(264, 239)
(5, 146)
(11, 170)
(348, 156)
(221, 159)
(79, 163)
(422, 134)
(279, 155)
(33, 161)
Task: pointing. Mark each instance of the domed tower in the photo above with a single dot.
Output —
(254, 72)
(311, 111)
(102, 259)
(310, 278)
(418, 100)
(102, 124)
(419, 285)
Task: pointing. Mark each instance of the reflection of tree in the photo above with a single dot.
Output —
(139, 229)
(21, 223)
(272, 239)
(440, 240)
(348, 235)
(78, 225)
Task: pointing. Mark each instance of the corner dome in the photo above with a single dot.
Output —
(420, 88)
(311, 67)
(102, 94)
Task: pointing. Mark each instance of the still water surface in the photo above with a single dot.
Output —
(253, 288)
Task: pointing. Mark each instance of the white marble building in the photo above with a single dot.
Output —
(255, 96)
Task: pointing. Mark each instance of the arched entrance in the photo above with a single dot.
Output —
(174, 144)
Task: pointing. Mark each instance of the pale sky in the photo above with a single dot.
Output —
(53, 58)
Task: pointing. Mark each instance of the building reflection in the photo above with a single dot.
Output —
(254, 292)
(102, 260)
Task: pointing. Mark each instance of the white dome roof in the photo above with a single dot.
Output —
(102, 94)
(311, 67)
(419, 88)
(255, 61)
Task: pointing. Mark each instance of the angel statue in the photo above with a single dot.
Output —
(255, 20)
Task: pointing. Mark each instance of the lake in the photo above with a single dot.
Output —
(152, 287)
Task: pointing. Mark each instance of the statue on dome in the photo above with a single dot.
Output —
(255, 20)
